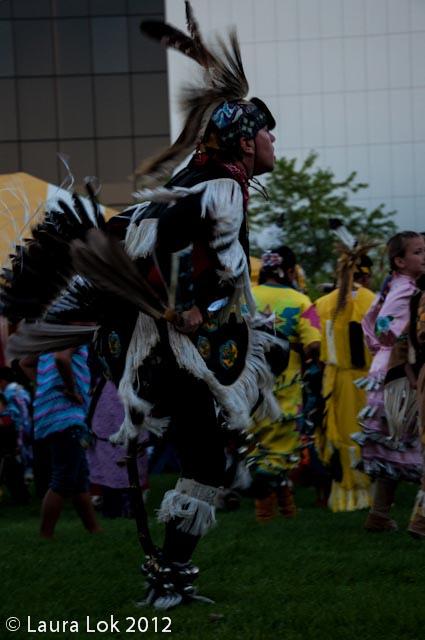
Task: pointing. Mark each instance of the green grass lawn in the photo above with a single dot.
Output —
(319, 576)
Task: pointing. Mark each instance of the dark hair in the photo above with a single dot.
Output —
(396, 246)
(363, 266)
(230, 153)
(420, 282)
(289, 261)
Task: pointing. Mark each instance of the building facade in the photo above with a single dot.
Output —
(343, 77)
(77, 78)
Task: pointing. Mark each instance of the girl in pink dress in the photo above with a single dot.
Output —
(387, 457)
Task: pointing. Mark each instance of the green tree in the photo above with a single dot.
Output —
(301, 201)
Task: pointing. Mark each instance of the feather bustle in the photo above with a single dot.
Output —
(41, 266)
(103, 261)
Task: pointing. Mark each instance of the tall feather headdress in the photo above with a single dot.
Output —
(352, 252)
(222, 79)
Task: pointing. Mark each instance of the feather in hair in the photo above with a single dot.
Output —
(342, 233)
(204, 56)
(226, 80)
(172, 38)
(161, 166)
(223, 79)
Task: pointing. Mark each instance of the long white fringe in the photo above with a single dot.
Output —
(145, 337)
(249, 298)
(164, 194)
(238, 398)
(223, 203)
(192, 503)
(401, 408)
(140, 238)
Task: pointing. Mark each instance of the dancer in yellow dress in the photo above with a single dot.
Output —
(346, 359)
(292, 316)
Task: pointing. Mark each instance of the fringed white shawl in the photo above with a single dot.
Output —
(222, 203)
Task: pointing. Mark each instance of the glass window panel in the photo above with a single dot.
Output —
(37, 110)
(9, 157)
(146, 7)
(74, 51)
(34, 53)
(113, 114)
(68, 8)
(110, 47)
(7, 62)
(146, 54)
(31, 8)
(75, 107)
(81, 158)
(115, 158)
(117, 195)
(8, 128)
(5, 9)
(100, 7)
(151, 104)
(40, 160)
(146, 147)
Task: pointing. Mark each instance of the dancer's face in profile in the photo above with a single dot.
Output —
(413, 262)
(258, 153)
(264, 152)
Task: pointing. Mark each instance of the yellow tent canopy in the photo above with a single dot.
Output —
(21, 199)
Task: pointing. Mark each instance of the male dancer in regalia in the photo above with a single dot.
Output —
(167, 284)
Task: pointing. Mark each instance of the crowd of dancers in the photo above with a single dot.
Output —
(366, 355)
(348, 397)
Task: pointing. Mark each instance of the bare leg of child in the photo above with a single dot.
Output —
(84, 507)
(51, 509)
